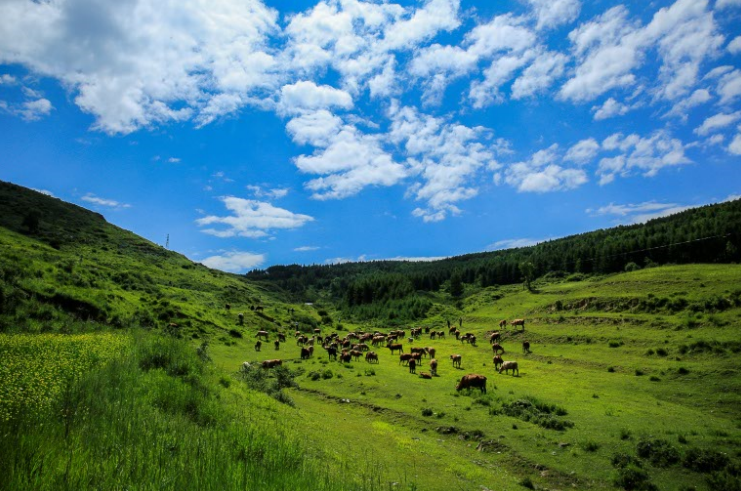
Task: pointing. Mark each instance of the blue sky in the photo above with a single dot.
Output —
(257, 133)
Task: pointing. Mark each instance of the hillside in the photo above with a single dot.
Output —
(391, 289)
(130, 357)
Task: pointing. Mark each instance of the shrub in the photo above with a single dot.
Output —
(235, 333)
(427, 412)
(639, 372)
(634, 478)
(527, 483)
(662, 352)
(611, 369)
(654, 378)
(682, 371)
(659, 452)
(615, 344)
(705, 460)
(591, 446)
(623, 460)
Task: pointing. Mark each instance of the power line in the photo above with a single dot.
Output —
(660, 247)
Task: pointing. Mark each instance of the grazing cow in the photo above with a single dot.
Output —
(411, 340)
(263, 334)
(297, 334)
(509, 365)
(457, 359)
(311, 351)
(246, 366)
(281, 337)
(502, 324)
(371, 357)
(301, 340)
(472, 339)
(258, 345)
(305, 353)
(412, 366)
(277, 345)
(395, 347)
(425, 375)
(345, 357)
(417, 357)
(496, 348)
(433, 366)
(431, 352)
(518, 322)
(272, 363)
(332, 353)
(498, 362)
(421, 351)
(356, 354)
(457, 333)
(526, 346)
(378, 339)
(441, 334)
(317, 331)
(472, 381)
(404, 358)
(495, 336)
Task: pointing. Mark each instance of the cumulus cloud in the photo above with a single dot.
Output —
(306, 249)
(719, 121)
(308, 96)
(234, 261)
(735, 145)
(544, 173)
(134, 64)
(33, 110)
(260, 192)
(583, 152)
(729, 86)
(635, 153)
(639, 213)
(609, 109)
(723, 4)
(734, 47)
(108, 203)
(553, 13)
(611, 47)
(445, 156)
(250, 218)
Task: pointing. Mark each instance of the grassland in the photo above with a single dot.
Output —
(121, 369)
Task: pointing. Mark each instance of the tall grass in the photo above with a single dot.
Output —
(153, 417)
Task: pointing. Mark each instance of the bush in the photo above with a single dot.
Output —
(427, 412)
(705, 460)
(591, 446)
(623, 460)
(659, 452)
(615, 344)
(662, 352)
(536, 412)
(634, 478)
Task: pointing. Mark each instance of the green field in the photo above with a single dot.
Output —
(120, 368)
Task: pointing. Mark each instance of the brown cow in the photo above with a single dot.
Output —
(433, 366)
(281, 337)
(518, 322)
(425, 375)
(404, 358)
(456, 360)
(395, 347)
(258, 345)
(497, 362)
(471, 381)
(417, 357)
(412, 366)
(431, 351)
(332, 352)
(271, 363)
(496, 348)
(502, 323)
(371, 357)
(345, 357)
(356, 354)
(421, 351)
(526, 346)
(263, 334)
(509, 365)
(305, 354)
(277, 345)
(495, 336)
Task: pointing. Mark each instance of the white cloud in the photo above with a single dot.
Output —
(553, 13)
(275, 193)
(734, 47)
(306, 249)
(722, 4)
(433, 17)
(640, 213)
(735, 145)
(173, 160)
(308, 96)
(609, 109)
(6, 79)
(729, 86)
(446, 157)
(250, 218)
(717, 122)
(109, 203)
(698, 97)
(610, 48)
(29, 110)
(583, 152)
(647, 155)
(537, 77)
(315, 128)
(235, 262)
(512, 244)
(137, 64)
(542, 173)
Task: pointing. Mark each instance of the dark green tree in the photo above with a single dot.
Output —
(456, 284)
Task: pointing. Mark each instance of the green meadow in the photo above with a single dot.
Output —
(122, 368)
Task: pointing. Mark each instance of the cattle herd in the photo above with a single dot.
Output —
(355, 345)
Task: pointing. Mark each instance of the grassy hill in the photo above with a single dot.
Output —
(632, 381)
